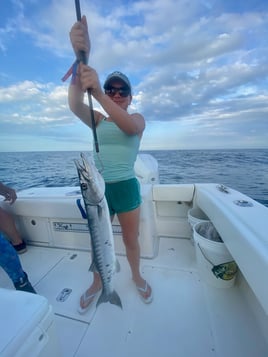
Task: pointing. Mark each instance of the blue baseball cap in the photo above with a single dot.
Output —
(117, 76)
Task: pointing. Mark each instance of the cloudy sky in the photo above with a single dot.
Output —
(199, 71)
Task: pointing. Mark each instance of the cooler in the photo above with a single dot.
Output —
(26, 325)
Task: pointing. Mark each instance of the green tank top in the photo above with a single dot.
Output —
(117, 151)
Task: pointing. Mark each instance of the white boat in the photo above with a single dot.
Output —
(193, 313)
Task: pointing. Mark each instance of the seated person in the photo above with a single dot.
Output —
(7, 224)
(10, 262)
(9, 259)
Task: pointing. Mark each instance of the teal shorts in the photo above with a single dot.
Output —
(123, 196)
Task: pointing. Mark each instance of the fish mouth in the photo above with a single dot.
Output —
(91, 182)
(83, 168)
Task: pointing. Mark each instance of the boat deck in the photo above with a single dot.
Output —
(186, 317)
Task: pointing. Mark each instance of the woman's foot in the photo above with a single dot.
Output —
(87, 299)
(145, 292)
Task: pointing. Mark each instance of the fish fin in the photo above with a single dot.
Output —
(117, 266)
(93, 267)
(81, 208)
(99, 211)
(113, 298)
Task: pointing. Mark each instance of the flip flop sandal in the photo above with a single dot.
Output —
(86, 298)
(147, 300)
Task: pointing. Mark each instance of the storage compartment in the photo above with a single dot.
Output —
(27, 325)
(35, 230)
(70, 233)
(51, 217)
(171, 204)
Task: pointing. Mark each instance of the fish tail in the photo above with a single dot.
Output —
(113, 298)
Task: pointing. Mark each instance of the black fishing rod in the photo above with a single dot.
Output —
(82, 58)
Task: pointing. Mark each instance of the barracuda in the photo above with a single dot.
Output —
(103, 256)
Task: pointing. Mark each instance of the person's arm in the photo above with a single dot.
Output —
(79, 38)
(77, 105)
(80, 41)
(131, 124)
(8, 193)
(87, 78)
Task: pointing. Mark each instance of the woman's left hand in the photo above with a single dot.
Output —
(89, 80)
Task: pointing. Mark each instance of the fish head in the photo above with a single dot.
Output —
(91, 181)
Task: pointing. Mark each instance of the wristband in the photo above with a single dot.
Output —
(72, 71)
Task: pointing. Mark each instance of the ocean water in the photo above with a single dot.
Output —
(243, 170)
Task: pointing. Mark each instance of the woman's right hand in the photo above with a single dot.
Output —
(80, 38)
(8, 192)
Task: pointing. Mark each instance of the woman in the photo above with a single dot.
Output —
(119, 137)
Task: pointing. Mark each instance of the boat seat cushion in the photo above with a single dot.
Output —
(181, 192)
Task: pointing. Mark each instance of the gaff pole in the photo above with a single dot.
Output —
(82, 58)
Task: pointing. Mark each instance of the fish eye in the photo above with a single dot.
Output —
(84, 186)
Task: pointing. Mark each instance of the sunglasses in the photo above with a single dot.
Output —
(122, 91)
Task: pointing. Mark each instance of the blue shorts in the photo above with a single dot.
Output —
(123, 196)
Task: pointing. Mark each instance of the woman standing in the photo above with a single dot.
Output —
(119, 134)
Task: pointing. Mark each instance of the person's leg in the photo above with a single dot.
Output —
(10, 262)
(88, 296)
(8, 227)
(129, 222)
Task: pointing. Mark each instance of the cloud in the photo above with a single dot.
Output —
(31, 104)
(196, 67)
